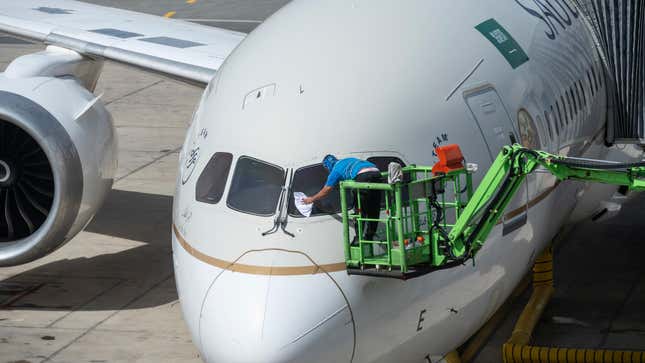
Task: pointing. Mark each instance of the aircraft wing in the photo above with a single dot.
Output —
(182, 50)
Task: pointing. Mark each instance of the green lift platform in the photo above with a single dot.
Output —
(431, 219)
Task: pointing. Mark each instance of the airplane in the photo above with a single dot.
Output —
(381, 80)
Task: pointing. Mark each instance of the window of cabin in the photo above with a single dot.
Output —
(212, 181)
(256, 187)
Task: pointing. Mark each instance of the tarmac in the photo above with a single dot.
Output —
(109, 295)
(599, 301)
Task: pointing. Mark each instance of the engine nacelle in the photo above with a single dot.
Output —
(57, 153)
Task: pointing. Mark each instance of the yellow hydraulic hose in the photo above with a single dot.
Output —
(453, 357)
(517, 350)
(542, 292)
(527, 354)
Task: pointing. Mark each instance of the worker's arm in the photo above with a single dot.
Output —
(318, 196)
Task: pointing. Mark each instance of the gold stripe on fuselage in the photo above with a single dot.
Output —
(255, 269)
(302, 270)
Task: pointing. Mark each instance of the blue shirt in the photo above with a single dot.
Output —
(346, 169)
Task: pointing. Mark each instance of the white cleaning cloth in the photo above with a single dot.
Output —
(304, 209)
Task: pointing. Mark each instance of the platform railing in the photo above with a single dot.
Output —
(413, 218)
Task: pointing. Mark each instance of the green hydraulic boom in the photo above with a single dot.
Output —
(432, 221)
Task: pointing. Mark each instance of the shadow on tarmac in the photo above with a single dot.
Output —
(84, 283)
(135, 216)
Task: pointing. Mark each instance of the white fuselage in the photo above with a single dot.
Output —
(376, 78)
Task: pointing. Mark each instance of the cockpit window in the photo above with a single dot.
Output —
(212, 181)
(256, 187)
(310, 180)
(382, 162)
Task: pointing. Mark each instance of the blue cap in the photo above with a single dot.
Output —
(329, 161)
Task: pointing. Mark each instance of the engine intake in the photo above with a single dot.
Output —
(26, 184)
(57, 152)
(41, 181)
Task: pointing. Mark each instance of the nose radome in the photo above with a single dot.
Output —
(264, 317)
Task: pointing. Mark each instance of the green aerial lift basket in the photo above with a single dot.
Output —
(415, 217)
(431, 219)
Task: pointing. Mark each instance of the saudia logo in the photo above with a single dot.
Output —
(556, 14)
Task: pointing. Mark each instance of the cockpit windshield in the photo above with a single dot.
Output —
(256, 187)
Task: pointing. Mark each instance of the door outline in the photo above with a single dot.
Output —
(481, 89)
(510, 131)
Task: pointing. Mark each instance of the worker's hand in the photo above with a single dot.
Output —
(308, 200)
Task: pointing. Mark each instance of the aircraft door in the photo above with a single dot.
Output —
(492, 118)
(498, 131)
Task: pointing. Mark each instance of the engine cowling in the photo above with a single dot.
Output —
(57, 162)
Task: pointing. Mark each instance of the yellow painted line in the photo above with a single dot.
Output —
(191, 1)
(169, 14)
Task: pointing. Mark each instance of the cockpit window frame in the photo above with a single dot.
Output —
(233, 179)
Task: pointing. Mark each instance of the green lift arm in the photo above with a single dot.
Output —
(419, 239)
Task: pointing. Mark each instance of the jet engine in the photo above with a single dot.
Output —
(57, 152)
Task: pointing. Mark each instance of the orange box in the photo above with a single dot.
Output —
(450, 159)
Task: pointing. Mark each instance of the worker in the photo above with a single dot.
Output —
(360, 171)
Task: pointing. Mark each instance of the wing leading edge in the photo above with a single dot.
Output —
(182, 50)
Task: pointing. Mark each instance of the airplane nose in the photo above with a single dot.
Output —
(271, 315)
